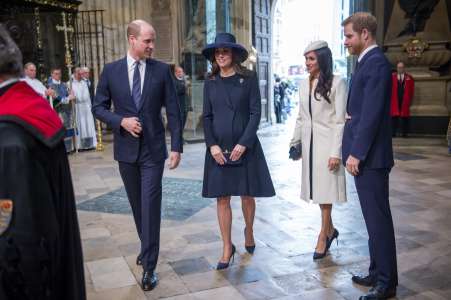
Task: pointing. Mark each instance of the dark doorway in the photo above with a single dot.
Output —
(261, 11)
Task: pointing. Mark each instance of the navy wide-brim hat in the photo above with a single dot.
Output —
(225, 40)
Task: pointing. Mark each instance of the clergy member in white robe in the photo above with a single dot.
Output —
(86, 133)
(30, 78)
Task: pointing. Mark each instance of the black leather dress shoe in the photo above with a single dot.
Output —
(367, 280)
(379, 292)
(139, 261)
(149, 281)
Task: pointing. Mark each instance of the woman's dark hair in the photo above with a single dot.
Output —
(239, 69)
(326, 75)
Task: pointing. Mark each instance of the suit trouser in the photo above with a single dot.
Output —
(373, 190)
(143, 184)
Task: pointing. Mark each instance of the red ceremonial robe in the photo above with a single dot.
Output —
(409, 87)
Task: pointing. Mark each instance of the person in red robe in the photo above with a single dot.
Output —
(403, 87)
(40, 246)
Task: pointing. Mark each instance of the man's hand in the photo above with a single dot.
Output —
(174, 160)
(352, 165)
(237, 152)
(333, 164)
(71, 97)
(51, 93)
(216, 152)
(132, 125)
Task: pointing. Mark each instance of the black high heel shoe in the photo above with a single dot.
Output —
(332, 238)
(319, 255)
(222, 265)
(249, 249)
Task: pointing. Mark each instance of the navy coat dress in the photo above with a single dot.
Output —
(231, 115)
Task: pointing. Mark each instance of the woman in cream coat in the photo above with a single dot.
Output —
(319, 128)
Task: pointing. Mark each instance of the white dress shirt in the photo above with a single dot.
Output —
(36, 85)
(366, 51)
(131, 70)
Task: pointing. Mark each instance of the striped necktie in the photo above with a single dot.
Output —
(136, 89)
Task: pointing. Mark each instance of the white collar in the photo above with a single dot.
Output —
(29, 78)
(364, 52)
(131, 61)
(56, 81)
(8, 82)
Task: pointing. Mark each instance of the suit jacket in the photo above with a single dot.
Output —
(409, 87)
(158, 91)
(367, 135)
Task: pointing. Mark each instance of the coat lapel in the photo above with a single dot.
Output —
(147, 82)
(124, 78)
(357, 69)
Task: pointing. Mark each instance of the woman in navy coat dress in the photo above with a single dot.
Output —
(234, 161)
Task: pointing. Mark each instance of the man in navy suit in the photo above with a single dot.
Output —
(368, 153)
(139, 86)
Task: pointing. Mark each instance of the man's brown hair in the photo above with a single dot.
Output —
(360, 21)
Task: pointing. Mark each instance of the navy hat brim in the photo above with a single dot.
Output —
(209, 50)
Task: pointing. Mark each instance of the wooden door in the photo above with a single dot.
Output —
(262, 40)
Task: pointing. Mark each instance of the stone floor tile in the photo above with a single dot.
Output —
(431, 181)
(223, 293)
(202, 237)
(262, 289)
(237, 274)
(323, 294)
(110, 273)
(190, 266)
(169, 285)
(133, 292)
(294, 284)
(99, 248)
(92, 233)
(204, 281)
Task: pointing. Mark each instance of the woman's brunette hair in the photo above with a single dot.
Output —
(326, 75)
(239, 69)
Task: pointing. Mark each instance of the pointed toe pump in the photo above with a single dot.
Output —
(225, 265)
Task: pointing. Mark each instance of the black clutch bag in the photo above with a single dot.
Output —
(229, 162)
(296, 152)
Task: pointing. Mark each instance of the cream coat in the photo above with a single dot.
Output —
(326, 126)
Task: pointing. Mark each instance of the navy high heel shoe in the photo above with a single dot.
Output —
(332, 238)
(222, 265)
(319, 255)
(249, 249)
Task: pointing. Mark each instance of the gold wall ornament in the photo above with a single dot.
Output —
(415, 47)
(99, 146)
(65, 29)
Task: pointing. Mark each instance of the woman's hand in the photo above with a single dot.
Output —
(334, 163)
(216, 152)
(237, 152)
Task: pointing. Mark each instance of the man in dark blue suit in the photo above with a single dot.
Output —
(368, 153)
(139, 86)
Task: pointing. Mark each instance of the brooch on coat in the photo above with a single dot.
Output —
(241, 80)
(6, 211)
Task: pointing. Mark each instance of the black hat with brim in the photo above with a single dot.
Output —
(225, 40)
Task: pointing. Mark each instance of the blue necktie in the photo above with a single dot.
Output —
(136, 89)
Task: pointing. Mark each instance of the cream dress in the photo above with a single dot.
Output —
(319, 127)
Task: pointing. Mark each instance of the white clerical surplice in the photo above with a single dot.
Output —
(86, 133)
